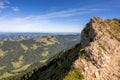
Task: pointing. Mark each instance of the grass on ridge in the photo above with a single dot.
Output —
(75, 74)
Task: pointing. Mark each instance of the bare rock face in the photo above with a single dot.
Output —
(101, 41)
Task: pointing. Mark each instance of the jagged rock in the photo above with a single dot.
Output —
(101, 41)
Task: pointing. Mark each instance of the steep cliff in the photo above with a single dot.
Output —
(100, 41)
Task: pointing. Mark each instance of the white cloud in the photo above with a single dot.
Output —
(16, 9)
(4, 4)
(67, 13)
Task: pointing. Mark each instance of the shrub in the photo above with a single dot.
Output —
(75, 74)
(91, 39)
(86, 31)
(84, 55)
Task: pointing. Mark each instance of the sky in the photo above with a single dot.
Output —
(53, 15)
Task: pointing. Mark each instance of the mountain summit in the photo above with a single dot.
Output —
(100, 41)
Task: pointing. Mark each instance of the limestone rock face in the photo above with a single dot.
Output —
(101, 41)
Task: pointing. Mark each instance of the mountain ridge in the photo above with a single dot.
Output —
(100, 40)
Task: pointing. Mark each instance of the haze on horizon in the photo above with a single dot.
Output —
(53, 15)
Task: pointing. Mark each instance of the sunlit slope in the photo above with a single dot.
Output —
(17, 56)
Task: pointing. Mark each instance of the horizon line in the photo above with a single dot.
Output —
(40, 32)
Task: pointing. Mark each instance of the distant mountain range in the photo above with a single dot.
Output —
(28, 35)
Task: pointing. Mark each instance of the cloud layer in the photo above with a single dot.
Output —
(44, 22)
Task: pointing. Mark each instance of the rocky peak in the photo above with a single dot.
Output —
(93, 30)
(100, 40)
(96, 19)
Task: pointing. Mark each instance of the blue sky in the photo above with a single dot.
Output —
(53, 15)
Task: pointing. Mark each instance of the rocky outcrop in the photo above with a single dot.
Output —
(100, 40)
